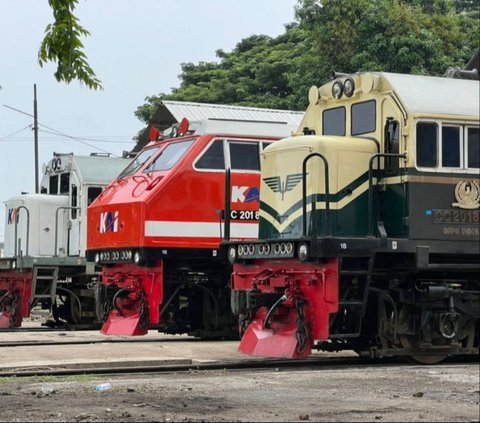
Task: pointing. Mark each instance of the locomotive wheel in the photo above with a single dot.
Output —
(412, 343)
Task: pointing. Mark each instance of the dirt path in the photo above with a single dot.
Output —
(385, 393)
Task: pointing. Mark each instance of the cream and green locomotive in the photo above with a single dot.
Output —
(369, 224)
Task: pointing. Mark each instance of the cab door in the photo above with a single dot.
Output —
(392, 187)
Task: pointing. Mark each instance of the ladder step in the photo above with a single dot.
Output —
(351, 303)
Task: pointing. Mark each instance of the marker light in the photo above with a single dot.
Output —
(182, 130)
(154, 134)
(232, 254)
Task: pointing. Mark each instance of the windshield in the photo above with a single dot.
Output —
(138, 162)
(169, 156)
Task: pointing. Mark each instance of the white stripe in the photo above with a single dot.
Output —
(199, 229)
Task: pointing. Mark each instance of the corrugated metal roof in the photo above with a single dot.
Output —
(200, 111)
(435, 95)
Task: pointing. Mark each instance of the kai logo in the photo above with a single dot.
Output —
(245, 194)
(109, 222)
(12, 216)
(276, 185)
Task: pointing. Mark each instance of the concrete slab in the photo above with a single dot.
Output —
(152, 349)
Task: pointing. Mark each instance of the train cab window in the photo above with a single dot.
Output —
(213, 157)
(364, 117)
(473, 148)
(427, 144)
(333, 121)
(64, 183)
(92, 194)
(169, 156)
(53, 185)
(451, 146)
(244, 156)
(138, 162)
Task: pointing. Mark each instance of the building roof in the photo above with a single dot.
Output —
(171, 112)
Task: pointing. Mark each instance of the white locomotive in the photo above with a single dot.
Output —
(45, 235)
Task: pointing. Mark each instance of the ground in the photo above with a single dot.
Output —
(376, 393)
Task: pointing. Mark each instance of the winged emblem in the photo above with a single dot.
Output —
(467, 194)
(276, 184)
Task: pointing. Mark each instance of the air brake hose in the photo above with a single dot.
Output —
(266, 322)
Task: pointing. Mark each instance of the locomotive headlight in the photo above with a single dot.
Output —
(261, 249)
(232, 254)
(97, 258)
(251, 249)
(348, 87)
(266, 249)
(303, 251)
(14, 264)
(337, 89)
(101, 256)
(137, 257)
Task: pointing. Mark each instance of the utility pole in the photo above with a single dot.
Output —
(35, 132)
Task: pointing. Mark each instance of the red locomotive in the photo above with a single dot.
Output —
(156, 229)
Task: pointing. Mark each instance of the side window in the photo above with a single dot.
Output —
(265, 145)
(74, 202)
(392, 144)
(53, 185)
(427, 144)
(451, 146)
(213, 157)
(92, 194)
(364, 117)
(64, 183)
(333, 121)
(473, 148)
(244, 156)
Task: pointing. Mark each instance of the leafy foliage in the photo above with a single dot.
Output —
(63, 46)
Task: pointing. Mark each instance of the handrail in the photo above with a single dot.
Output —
(370, 184)
(304, 193)
(28, 228)
(56, 225)
(227, 207)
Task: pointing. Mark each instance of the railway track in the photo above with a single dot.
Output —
(188, 365)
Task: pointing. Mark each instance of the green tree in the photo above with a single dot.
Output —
(62, 45)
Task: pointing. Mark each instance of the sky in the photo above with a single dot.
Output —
(136, 49)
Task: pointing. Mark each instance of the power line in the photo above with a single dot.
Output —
(16, 132)
(57, 132)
